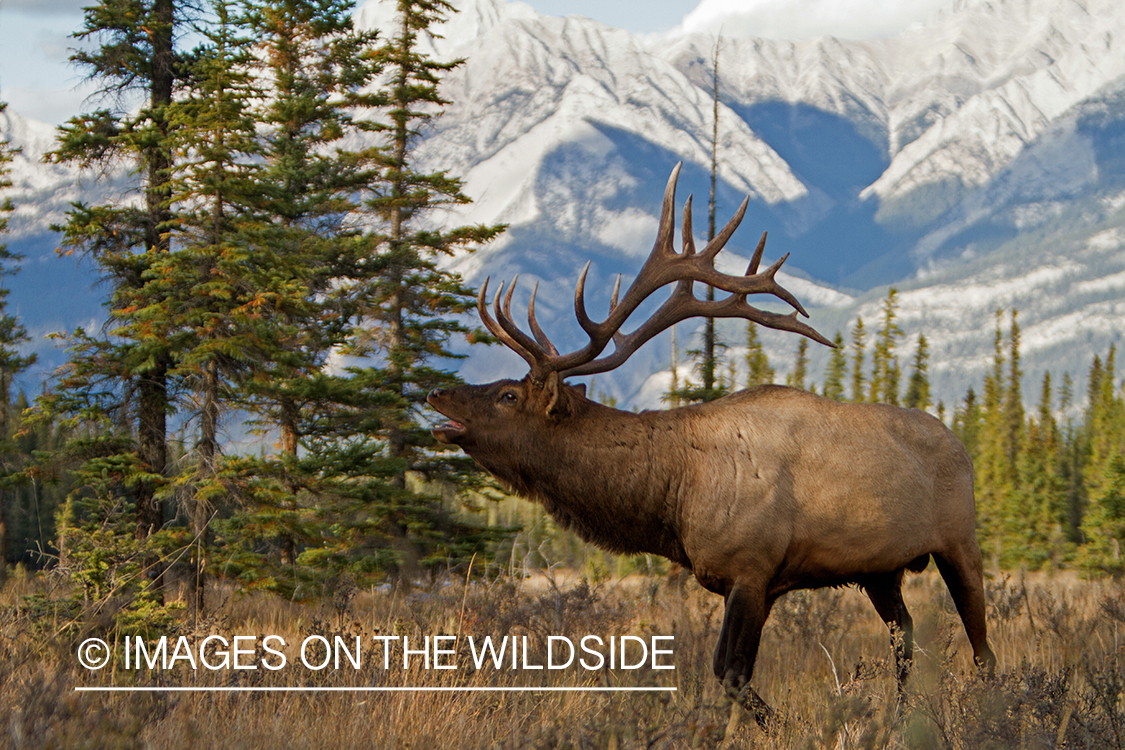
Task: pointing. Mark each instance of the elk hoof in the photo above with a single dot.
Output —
(741, 693)
(986, 667)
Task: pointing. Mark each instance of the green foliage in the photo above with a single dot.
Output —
(1104, 523)
(704, 369)
(859, 380)
(12, 335)
(885, 372)
(758, 370)
(232, 286)
(836, 370)
(244, 272)
(967, 424)
(1035, 514)
(918, 386)
(796, 379)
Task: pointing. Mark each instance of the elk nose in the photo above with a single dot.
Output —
(437, 392)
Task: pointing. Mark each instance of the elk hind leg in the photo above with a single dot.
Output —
(885, 592)
(963, 573)
(741, 634)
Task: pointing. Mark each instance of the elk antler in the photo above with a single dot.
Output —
(663, 266)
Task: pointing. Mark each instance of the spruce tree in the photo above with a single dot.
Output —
(312, 67)
(837, 367)
(709, 357)
(859, 380)
(705, 363)
(797, 378)
(411, 307)
(112, 380)
(1105, 422)
(884, 363)
(708, 365)
(918, 387)
(992, 467)
(1103, 526)
(12, 335)
(1013, 399)
(215, 296)
(758, 370)
(1035, 516)
(967, 424)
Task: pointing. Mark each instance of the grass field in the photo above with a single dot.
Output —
(823, 666)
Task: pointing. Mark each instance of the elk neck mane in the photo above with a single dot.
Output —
(610, 476)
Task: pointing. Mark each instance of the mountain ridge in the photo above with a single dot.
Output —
(935, 159)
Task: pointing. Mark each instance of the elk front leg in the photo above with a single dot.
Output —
(746, 612)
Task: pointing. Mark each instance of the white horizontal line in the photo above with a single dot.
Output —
(252, 689)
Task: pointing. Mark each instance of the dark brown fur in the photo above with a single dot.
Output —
(757, 494)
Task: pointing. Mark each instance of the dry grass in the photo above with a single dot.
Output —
(823, 666)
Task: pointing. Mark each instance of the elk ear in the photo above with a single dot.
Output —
(553, 395)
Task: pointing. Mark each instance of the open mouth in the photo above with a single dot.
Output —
(446, 432)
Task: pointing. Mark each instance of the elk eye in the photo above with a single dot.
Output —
(508, 397)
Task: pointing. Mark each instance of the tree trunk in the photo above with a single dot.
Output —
(709, 330)
(290, 440)
(206, 473)
(152, 427)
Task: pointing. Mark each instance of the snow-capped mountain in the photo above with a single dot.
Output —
(972, 161)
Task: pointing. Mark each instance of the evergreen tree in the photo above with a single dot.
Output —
(837, 367)
(758, 370)
(708, 359)
(1072, 452)
(918, 387)
(1103, 526)
(1066, 394)
(801, 367)
(1036, 516)
(859, 380)
(215, 295)
(411, 306)
(114, 381)
(12, 334)
(967, 424)
(993, 470)
(1013, 399)
(1105, 423)
(708, 363)
(691, 393)
(312, 66)
(884, 363)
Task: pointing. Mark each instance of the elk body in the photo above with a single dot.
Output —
(759, 493)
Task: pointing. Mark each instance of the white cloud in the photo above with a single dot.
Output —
(808, 19)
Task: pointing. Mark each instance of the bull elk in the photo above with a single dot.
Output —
(759, 493)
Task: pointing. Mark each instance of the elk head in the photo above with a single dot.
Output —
(542, 396)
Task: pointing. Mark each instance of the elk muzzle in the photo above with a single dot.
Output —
(446, 432)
